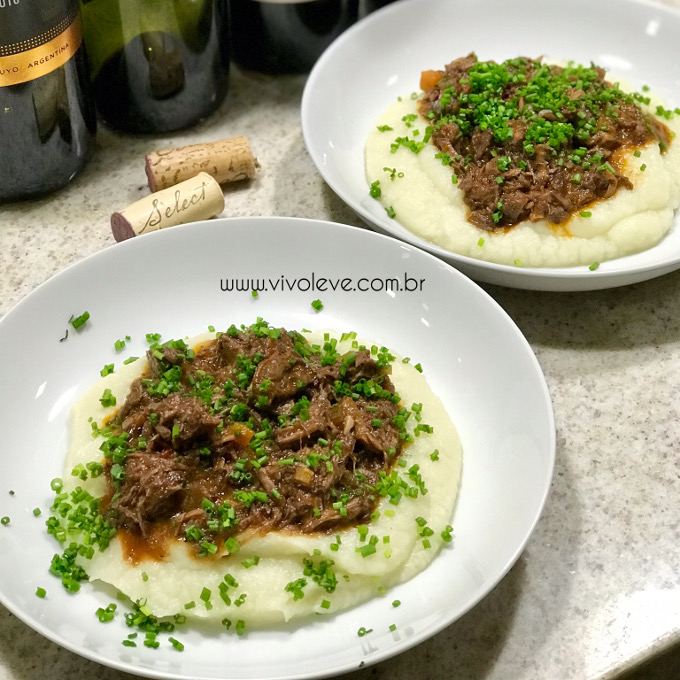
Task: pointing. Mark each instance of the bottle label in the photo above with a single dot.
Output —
(37, 56)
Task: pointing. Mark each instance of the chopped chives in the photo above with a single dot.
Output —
(231, 545)
(107, 399)
(79, 321)
(176, 644)
(366, 550)
(206, 548)
(108, 368)
(106, 615)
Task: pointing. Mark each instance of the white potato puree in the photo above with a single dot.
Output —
(170, 584)
(429, 205)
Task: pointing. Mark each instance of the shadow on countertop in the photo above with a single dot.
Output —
(640, 315)
(665, 666)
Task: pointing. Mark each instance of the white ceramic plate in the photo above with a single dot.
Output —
(171, 282)
(381, 58)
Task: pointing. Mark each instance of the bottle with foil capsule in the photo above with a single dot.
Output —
(47, 120)
(286, 36)
(156, 65)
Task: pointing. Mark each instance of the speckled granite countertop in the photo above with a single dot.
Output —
(598, 586)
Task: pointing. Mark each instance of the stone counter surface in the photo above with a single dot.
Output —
(598, 587)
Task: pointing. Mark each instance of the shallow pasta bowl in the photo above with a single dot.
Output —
(381, 57)
(179, 281)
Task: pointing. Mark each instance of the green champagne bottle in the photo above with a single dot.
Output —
(156, 65)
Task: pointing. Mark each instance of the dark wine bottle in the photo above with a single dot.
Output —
(283, 36)
(47, 119)
(157, 65)
(373, 5)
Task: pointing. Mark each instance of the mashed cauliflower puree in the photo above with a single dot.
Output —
(254, 579)
(417, 190)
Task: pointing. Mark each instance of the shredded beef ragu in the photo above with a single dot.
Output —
(313, 469)
(548, 182)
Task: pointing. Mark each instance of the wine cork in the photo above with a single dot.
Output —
(227, 160)
(198, 198)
